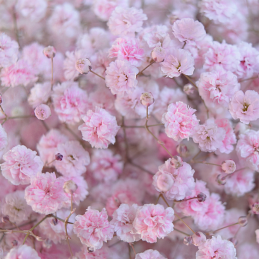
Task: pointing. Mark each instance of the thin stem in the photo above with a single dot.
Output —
(133, 249)
(177, 230)
(158, 198)
(97, 74)
(186, 199)
(141, 168)
(125, 139)
(206, 163)
(16, 27)
(196, 155)
(190, 80)
(158, 124)
(52, 81)
(184, 45)
(151, 62)
(251, 78)
(225, 227)
(129, 252)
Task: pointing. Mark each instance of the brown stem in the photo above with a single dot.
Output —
(97, 74)
(225, 227)
(52, 81)
(151, 62)
(177, 230)
(141, 168)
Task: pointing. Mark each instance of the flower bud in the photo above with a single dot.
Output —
(1, 99)
(146, 99)
(165, 182)
(255, 208)
(158, 54)
(198, 239)
(55, 221)
(228, 166)
(187, 240)
(83, 65)
(49, 52)
(69, 186)
(242, 221)
(182, 150)
(42, 112)
(201, 197)
(59, 157)
(176, 162)
(189, 89)
(221, 180)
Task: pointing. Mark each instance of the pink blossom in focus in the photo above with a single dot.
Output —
(177, 62)
(121, 77)
(149, 254)
(20, 165)
(126, 21)
(99, 128)
(187, 29)
(245, 106)
(45, 194)
(22, 252)
(179, 121)
(153, 222)
(93, 228)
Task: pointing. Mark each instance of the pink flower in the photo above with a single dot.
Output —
(42, 112)
(75, 159)
(179, 121)
(54, 230)
(99, 128)
(245, 106)
(230, 137)
(127, 49)
(153, 221)
(122, 220)
(17, 74)
(22, 252)
(177, 62)
(40, 93)
(45, 194)
(9, 51)
(222, 55)
(70, 102)
(20, 165)
(126, 21)
(121, 77)
(216, 247)
(149, 254)
(3, 138)
(48, 143)
(209, 136)
(248, 148)
(15, 207)
(93, 228)
(181, 178)
(187, 30)
(105, 166)
(217, 88)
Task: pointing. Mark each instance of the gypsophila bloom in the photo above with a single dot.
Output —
(42, 112)
(3, 138)
(245, 106)
(75, 159)
(149, 254)
(179, 121)
(154, 221)
(218, 248)
(177, 62)
(45, 194)
(8, 51)
(126, 21)
(228, 166)
(188, 30)
(181, 179)
(209, 136)
(16, 208)
(93, 228)
(22, 252)
(99, 128)
(20, 165)
(122, 220)
(121, 77)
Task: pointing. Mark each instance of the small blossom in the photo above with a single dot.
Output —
(146, 99)
(49, 52)
(158, 54)
(22, 252)
(83, 66)
(99, 128)
(93, 228)
(42, 112)
(228, 166)
(177, 62)
(20, 165)
(153, 221)
(149, 254)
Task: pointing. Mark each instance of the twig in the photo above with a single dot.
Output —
(151, 62)
(97, 74)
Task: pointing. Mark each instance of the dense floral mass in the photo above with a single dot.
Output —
(129, 129)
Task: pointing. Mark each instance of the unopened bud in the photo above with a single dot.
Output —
(55, 221)
(228, 166)
(182, 150)
(198, 238)
(165, 182)
(5, 219)
(59, 157)
(187, 240)
(83, 65)
(233, 240)
(176, 162)
(69, 186)
(14, 243)
(158, 54)
(189, 89)
(242, 221)
(42, 112)
(255, 208)
(146, 99)
(221, 180)
(201, 197)
(49, 52)
(90, 249)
